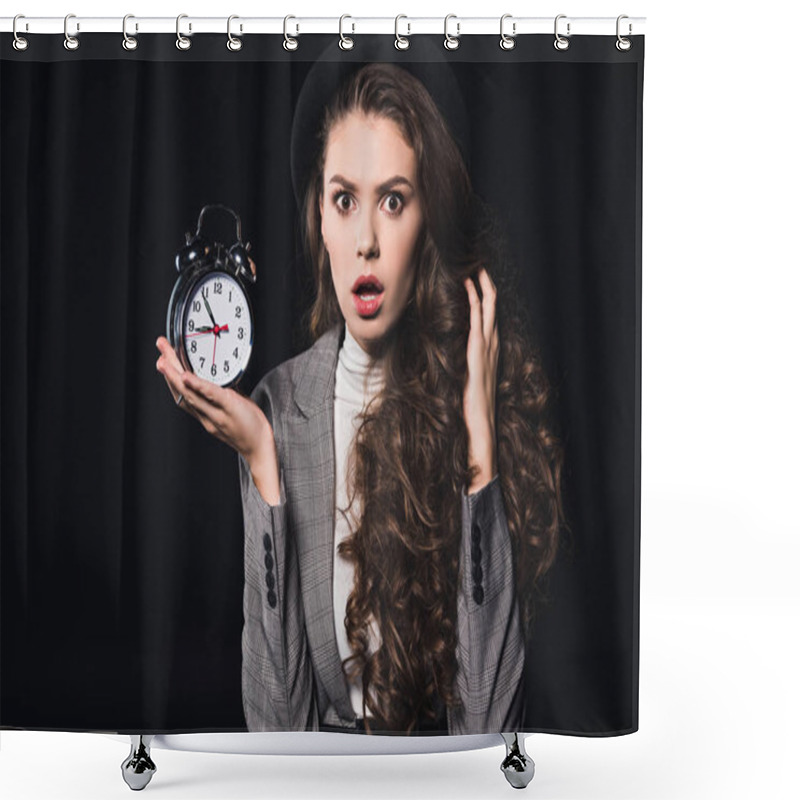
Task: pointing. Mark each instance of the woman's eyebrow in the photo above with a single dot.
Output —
(384, 187)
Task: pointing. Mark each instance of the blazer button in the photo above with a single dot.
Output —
(272, 599)
(476, 533)
(477, 594)
(477, 573)
(268, 562)
(476, 553)
(267, 543)
(270, 580)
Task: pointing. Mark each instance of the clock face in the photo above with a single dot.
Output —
(217, 328)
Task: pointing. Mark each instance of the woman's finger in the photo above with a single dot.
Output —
(192, 402)
(489, 300)
(213, 394)
(166, 349)
(214, 419)
(475, 314)
(194, 384)
(210, 391)
(198, 405)
(161, 366)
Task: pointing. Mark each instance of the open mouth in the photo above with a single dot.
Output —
(368, 291)
(367, 284)
(367, 296)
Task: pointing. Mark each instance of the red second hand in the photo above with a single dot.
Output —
(217, 329)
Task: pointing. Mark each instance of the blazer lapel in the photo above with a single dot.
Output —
(311, 437)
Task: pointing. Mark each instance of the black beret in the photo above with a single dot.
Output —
(426, 59)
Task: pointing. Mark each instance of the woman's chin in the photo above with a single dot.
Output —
(372, 333)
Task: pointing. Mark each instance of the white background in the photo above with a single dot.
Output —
(719, 699)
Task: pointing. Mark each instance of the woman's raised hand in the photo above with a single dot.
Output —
(479, 392)
(224, 413)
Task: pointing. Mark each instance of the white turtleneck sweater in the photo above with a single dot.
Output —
(354, 387)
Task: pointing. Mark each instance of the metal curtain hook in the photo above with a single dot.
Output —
(70, 42)
(288, 42)
(507, 42)
(182, 43)
(400, 42)
(233, 42)
(451, 42)
(20, 42)
(345, 42)
(129, 42)
(622, 43)
(560, 42)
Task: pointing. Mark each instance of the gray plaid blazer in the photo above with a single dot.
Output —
(292, 675)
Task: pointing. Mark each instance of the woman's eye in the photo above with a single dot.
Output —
(346, 203)
(394, 203)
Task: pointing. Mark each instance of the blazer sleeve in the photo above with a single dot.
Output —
(277, 673)
(491, 646)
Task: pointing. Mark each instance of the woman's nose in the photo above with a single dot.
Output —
(367, 244)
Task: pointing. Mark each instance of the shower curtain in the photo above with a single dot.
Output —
(177, 553)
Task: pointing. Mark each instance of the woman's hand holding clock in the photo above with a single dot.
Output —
(480, 389)
(228, 415)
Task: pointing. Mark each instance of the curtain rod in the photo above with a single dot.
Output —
(298, 25)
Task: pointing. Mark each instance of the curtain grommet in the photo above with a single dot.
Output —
(289, 43)
(70, 42)
(182, 42)
(345, 42)
(234, 44)
(507, 42)
(129, 42)
(20, 42)
(401, 42)
(623, 44)
(452, 42)
(561, 42)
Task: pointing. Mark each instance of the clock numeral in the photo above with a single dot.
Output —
(204, 292)
(217, 287)
(230, 296)
(196, 305)
(227, 367)
(193, 348)
(190, 326)
(241, 333)
(214, 370)
(236, 353)
(238, 312)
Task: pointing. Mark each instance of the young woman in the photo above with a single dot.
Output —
(401, 492)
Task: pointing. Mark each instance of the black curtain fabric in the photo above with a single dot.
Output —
(121, 519)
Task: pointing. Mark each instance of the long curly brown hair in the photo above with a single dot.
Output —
(411, 450)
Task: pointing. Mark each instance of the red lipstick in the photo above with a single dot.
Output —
(367, 294)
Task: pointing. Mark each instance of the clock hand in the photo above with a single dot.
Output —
(217, 331)
(201, 331)
(208, 329)
(208, 308)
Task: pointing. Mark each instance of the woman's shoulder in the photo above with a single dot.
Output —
(299, 378)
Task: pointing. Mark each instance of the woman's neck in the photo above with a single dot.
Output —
(376, 349)
(361, 368)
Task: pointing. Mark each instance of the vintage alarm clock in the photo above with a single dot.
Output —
(210, 319)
